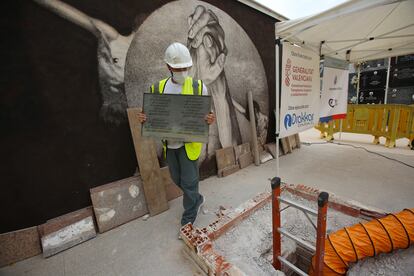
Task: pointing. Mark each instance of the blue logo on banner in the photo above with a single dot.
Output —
(301, 120)
(288, 121)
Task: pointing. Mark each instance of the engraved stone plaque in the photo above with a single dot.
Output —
(178, 117)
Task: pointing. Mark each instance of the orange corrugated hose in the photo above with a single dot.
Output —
(350, 244)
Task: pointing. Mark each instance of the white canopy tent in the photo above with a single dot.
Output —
(357, 30)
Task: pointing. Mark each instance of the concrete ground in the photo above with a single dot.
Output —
(151, 247)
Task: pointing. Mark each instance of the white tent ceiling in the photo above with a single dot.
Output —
(356, 30)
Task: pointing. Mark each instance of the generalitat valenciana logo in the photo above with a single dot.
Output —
(288, 66)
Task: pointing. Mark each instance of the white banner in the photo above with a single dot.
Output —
(300, 89)
(334, 96)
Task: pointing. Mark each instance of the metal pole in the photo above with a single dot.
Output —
(340, 129)
(359, 75)
(388, 79)
(275, 183)
(321, 232)
(277, 250)
(277, 112)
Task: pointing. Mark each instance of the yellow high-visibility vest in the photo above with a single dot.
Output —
(193, 149)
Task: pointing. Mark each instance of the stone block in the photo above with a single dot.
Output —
(265, 156)
(225, 158)
(292, 141)
(285, 145)
(118, 202)
(245, 160)
(19, 245)
(271, 148)
(240, 150)
(229, 170)
(297, 138)
(66, 231)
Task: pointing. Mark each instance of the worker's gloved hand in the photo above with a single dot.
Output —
(206, 44)
(142, 117)
(210, 118)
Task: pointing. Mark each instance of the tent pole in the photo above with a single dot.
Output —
(387, 83)
(277, 110)
(359, 75)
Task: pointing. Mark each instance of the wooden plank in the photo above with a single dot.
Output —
(149, 167)
(286, 145)
(292, 141)
(283, 146)
(297, 138)
(255, 147)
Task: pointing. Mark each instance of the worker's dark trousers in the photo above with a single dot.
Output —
(184, 173)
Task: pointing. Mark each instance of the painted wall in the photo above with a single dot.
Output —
(72, 68)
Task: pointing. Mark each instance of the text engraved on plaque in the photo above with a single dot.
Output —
(179, 117)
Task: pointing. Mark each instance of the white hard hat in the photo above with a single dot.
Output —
(178, 56)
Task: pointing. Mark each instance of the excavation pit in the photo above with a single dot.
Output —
(240, 241)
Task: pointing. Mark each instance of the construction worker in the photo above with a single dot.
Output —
(182, 157)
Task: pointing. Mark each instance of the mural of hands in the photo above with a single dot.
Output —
(206, 41)
(224, 58)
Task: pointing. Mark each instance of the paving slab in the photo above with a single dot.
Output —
(265, 156)
(118, 202)
(225, 158)
(245, 160)
(61, 233)
(241, 149)
(19, 245)
(229, 170)
(271, 148)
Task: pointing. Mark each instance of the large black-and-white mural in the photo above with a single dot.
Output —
(224, 58)
(217, 44)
